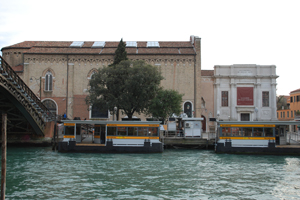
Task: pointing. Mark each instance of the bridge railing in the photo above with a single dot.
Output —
(7, 71)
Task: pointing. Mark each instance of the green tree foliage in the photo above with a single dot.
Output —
(120, 53)
(165, 104)
(281, 103)
(129, 85)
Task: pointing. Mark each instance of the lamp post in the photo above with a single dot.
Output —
(256, 110)
(37, 79)
(115, 112)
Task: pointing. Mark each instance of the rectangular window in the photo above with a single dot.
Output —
(224, 98)
(132, 131)
(265, 99)
(142, 131)
(236, 132)
(287, 114)
(283, 114)
(268, 132)
(153, 131)
(122, 131)
(291, 99)
(226, 132)
(247, 132)
(280, 114)
(291, 113)
(258, 132)
(111, 130)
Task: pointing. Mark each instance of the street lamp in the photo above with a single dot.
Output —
(256, 110)
(37, 79)
(115, 112)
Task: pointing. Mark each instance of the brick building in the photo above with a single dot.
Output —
(292, 112)
(59, 72)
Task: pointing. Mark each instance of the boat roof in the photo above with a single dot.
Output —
(261, 122)
(109, 122)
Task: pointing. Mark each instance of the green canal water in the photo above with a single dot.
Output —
(40, 173)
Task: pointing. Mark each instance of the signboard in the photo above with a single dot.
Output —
(244, 96)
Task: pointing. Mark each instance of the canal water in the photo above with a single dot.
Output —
(40, 173)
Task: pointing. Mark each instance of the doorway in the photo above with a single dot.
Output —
(245, 117)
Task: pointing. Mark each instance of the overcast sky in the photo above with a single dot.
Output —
(232, 31)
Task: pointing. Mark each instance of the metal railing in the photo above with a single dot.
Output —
(293, 137)
(11, 75)
(179, 134)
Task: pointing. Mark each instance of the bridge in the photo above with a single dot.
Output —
(27, 117)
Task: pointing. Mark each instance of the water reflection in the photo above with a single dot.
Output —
(39, 173)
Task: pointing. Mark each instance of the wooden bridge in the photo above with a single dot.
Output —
(28, 118)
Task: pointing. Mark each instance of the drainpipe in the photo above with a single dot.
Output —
(67, 90)
(195, 87)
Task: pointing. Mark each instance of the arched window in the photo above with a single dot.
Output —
(48, 81)
(187, 109)
(51, 105)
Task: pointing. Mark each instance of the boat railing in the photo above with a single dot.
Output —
(293, 137)
(179, 134)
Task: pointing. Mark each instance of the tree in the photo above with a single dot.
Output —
(129, 85)
(281, 102)
(120, 53)
(166, 103)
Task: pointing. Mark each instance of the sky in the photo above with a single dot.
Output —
(262, 32)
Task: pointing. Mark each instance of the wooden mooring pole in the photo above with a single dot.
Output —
(3, 160)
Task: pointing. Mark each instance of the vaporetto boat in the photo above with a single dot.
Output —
(111, 136)
(255, 137)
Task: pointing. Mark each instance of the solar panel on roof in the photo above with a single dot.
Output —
(152, 44)
(131, 44)
(99, 44)
(77, 44)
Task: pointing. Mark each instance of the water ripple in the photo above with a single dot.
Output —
(39, 173)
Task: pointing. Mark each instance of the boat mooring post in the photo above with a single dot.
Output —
(3, 160)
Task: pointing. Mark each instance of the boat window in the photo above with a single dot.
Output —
(122, 131)
(111, 130)
(78, 129)
(269, 132)
(236, 132)
(69, 130)
(258, 132)
(103, 129)
(143, 131)
(97, 130)
(247, 132)
(226, 131)
(153, 132)
(132, 131)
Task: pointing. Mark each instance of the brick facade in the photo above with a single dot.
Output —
(72, 67)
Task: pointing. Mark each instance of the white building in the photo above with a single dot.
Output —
(245, 92)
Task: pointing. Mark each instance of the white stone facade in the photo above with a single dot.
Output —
(259, 82)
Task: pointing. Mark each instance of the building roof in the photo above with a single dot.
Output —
(295, 91)
(63, 47)
(207, 72)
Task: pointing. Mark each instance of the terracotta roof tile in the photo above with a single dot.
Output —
(63, 47)
(154, 50)
(175, 44)
(187, 50)
(63, 50)
(294, 91)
